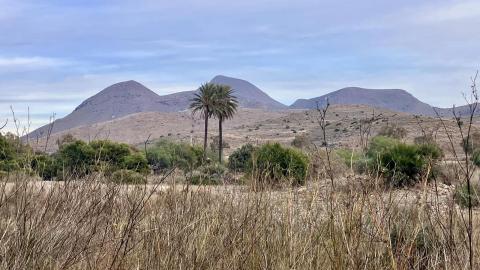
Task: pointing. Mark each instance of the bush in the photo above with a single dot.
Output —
(355, 160)
(136, 162)
(402, 164)
(393, 131)
(476, 158)
(430, 151)
(166, 154)
(379, 145)
(7, 149)
(127, 177)
(77, 157)
(461, 195)
(208, 174)
(13, 154)
(45, 166)
(240, 160)
(110, 152)
(273, 163)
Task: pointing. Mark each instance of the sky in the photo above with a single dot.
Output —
(54, 54)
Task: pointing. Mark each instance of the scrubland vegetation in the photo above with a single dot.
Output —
(390, 204)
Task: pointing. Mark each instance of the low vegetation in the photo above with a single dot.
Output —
(462, 196)
(241, 159)
(74, 158)
(304, 207)
(166, 155)
(273, 164)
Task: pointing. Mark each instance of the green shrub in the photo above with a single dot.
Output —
(356, 160)
(14, 155)
(159, 160)
(379, 145)
(401, 164)
(7, 149)
(77, 157)
(136, 162)
(166, 154)
(240, 160)
(430, 151)
(273, 163)
(461, 195)
(110, 152)
(9, 165)
(127, 177)
(45, 166)
(476, 158)
(208, 174)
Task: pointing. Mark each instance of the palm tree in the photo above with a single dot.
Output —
(203, 103)
(225, 106)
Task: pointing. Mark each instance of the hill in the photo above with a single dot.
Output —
(129, 97)
(249, 96)
(391, 99)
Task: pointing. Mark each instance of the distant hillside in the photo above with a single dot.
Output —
(113, 102)
(131, 97)
(391, 99)
(249, 96)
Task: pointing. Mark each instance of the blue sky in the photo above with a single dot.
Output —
(54, 54)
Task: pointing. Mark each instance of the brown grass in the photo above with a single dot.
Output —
(91, 225)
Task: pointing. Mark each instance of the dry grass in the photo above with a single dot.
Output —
(91, 225)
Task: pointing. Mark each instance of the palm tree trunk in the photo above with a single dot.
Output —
(220, 140)
(205, 137)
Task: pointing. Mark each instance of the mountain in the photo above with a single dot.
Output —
(115, 101)
(129, 97)
(392, 99)
(249, 96)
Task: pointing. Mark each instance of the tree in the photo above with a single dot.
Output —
(203, 103)
(225, 106)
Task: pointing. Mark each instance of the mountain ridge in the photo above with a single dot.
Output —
(394, 99)
(128, 97)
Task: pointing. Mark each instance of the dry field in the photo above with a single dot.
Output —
(347, 221)
(259, 126)
(355, 224)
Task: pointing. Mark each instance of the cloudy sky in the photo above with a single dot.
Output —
(54, 54)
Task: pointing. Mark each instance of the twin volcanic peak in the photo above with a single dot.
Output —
(131, 97)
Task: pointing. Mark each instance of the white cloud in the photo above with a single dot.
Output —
(31, 62)
(459, 10)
